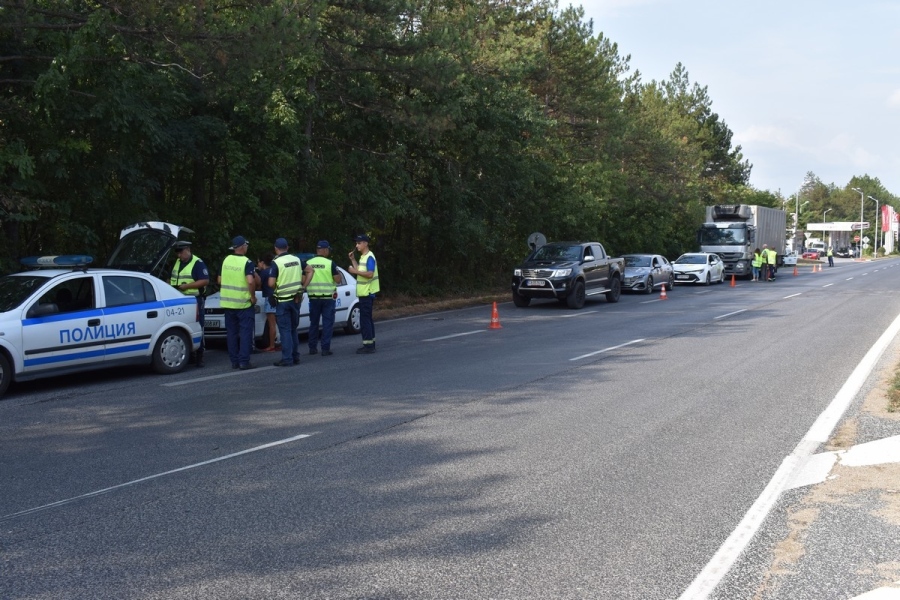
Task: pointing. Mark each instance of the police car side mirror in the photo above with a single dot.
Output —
(42, 310)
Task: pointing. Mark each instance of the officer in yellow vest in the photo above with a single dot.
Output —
(757, 263)
(772, 260)
(320, 279)
(367, 286)
(191, 276)
(238, 295)
(286, 278)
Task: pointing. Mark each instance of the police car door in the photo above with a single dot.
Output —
(132, 316)
(63, 328)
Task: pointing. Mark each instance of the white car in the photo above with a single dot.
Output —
(70, 317)
(699, 267)
(346, 311)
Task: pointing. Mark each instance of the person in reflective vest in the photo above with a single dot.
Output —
(320, 279)
(830, 255)
(772, 260)
(238, 295)
(190, 276)
(367, 286)
(757, 263)
(286, 278)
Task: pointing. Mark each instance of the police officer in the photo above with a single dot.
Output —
(190, 276)
(238, 295)
(367, 286)
(772, 260)
(320, 278)
(286, 277)
(830, 255)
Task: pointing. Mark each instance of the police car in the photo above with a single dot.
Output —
(346, 313)
(64, 316)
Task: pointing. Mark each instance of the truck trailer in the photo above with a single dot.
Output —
(734, 231)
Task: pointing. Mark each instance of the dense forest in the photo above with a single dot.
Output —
(448, 130)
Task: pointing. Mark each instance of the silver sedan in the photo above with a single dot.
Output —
(647, 272)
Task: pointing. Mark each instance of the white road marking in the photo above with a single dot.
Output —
(232, 373)
(578, 314)
(607, 349)
(454, 335)
(711, 575)
(891, 592)
(793, 295)
(737, 312)
(827, 285)
(148, 478)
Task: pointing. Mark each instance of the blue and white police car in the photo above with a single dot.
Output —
(64, 316)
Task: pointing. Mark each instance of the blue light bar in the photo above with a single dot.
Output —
(65, 260)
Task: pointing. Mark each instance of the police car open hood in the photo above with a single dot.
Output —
(145, 247)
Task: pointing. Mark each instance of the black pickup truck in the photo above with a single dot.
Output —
(568, 271)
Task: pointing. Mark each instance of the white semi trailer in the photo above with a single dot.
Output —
(735, 231)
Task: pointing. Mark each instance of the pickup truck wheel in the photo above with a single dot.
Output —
(576, 297)
(6, 373)
(520, 301)
(615, 290)
(649, 289)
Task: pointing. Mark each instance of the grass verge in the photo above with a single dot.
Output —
(893, 393)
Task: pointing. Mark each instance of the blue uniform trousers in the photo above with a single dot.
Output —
(239, 331)
(287, 315)
(321, 308)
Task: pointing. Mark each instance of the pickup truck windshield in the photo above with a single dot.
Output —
(556, 253)
(713, 236)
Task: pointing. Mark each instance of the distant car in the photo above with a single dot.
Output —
(699, 267)
(811, 254)
(346, 310)
(790, 259)
(646, 272)
(843, 252)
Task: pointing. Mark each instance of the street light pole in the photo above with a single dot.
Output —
(862, 198)
(877, 206)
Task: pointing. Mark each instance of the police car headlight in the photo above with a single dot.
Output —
(517, 272)
(561, 273)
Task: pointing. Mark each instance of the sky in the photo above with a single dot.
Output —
(803, 85)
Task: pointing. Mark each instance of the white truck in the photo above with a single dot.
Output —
(734, 231)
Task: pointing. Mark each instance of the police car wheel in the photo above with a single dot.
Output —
(172, 352)
(353, 325)
(6, 373)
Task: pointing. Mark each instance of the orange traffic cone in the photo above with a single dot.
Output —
(662, 293)
(796, 272)
(732, 280)
(495, 319)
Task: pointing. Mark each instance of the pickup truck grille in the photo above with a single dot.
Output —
(536, 273)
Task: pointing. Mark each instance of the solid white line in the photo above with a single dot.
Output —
(792, 295)
(447, 337)
(711, 575)
(607, 349)
(737, 312)
(578, 314)
(143, 479)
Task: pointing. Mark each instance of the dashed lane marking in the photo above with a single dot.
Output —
(607, 349)
(148, 478)
(454, 335)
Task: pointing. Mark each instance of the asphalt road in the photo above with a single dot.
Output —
(600, 453)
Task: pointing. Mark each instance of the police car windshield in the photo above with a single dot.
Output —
(15, 289)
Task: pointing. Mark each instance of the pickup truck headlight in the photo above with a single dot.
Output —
(517, 272)
(561, 273)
